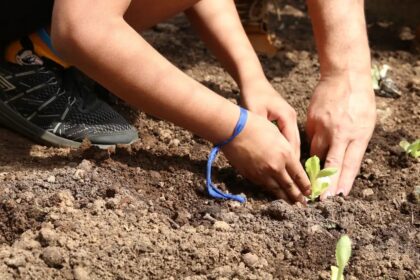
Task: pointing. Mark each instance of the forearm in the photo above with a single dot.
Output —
(218, 24)
(341, 37)
(116, 56)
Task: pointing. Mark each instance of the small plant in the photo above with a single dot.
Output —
(342, 256)
(378, 74)
(412, 149)
(320, 179)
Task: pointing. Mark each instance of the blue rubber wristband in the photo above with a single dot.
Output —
(211, 188)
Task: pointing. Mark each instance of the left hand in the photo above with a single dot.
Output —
(341, 120)
(261, 98)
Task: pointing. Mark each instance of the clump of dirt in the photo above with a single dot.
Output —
(141, 211)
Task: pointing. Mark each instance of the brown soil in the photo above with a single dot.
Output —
(141, 212)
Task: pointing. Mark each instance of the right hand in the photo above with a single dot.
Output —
(263, 155)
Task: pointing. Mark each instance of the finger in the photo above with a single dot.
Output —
(319, 146)
(335, 158)
(351, 166)
(299, 177)
(291, 132)
(289, 187)
(273, 187)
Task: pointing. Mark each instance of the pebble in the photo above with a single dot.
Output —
(250, 259)
(53, 257)
(369, 161)
(175, 142)
(51, 179)
(79, 174)
(222, 226)
(47, 236)
(80, 273)
(16, 262)
(367, 192)
(85, 165)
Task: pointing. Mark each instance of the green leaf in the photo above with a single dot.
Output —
(326, 172)
(334, 274)
(312, 167)
(412, 149)
(343, 251)
(376, 76)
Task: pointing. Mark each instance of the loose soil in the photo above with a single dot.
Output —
(141, 211)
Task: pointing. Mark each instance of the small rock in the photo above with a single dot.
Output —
(369, 161)
(221, 226)
(85, 165)
(367, 192)
(51, 179)
(16, 262)
(182, 217)
(175, 142)
(250, 259)
(229, 217)
(47, 236)
(316, 229)
(79, 174)
(53, 257)
(80, 273)
(155, 175)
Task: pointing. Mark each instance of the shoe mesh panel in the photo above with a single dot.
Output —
(84, 119)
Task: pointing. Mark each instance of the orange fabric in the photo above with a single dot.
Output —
(40, 48)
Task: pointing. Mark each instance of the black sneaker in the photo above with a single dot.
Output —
(58, 106)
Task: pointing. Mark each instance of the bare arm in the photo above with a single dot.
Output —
(219, 25)
(341, 116)
(102, 44)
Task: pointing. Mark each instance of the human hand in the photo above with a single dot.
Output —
(341, 120)
(261, 98)
(263, 155)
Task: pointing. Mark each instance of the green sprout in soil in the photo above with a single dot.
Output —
(378, 74)
(412, 149)
(342, 256)
(320, 179)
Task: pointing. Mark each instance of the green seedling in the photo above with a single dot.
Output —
(378, 74)
(412, 149)
(342, 256)
(320, 179)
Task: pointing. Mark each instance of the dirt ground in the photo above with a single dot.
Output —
(141, 211)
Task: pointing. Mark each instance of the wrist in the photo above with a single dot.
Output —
(254, 85)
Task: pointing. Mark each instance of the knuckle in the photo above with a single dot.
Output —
(331, 161)
(288, 186)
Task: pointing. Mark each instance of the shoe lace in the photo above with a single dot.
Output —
(79, 87)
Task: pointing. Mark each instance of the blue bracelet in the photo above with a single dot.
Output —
(212, 190)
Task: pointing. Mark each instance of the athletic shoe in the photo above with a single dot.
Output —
(57, 106)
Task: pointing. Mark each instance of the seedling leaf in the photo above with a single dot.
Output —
(326, 172)
(320, 179)
(342, 255)
(312, 167)
(343, 251)
(412, 149)
(376, 76)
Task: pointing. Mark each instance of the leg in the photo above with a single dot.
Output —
(141, 18)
